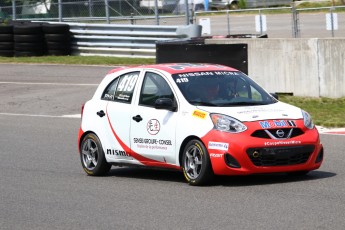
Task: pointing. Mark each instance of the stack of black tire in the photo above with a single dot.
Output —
(28, 40)
(6, 41)
(57, 39)
(22, 39)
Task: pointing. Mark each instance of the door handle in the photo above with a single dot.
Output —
(101, 113)
(137, 118)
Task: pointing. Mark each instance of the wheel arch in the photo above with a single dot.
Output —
(183, 145)
(82, 137)
(234, 4)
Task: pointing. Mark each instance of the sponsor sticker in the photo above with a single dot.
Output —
(118, 153)
(277, 124)
(268, 143)
(216, 155)
(199, 114)
(154, 144)
(153, 126)
(218, 145)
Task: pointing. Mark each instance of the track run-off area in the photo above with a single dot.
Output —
(43, 186)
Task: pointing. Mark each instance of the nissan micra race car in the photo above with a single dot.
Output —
(203, 119)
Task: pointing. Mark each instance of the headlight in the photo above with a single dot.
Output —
(307, 120)
(227, 124)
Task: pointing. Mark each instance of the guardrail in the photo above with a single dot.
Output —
(124, 40)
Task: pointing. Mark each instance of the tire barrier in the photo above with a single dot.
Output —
(6, 41)
(34, 39)
(57, 39)
(28, 40)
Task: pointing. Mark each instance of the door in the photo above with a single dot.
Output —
(153, 130)
(119, 94)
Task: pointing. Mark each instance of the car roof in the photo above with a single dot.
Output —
(174, 68)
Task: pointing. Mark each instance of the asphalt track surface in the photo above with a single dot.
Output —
(42, 184)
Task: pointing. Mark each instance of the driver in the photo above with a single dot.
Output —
(207, 90)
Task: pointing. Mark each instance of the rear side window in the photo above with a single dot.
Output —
(121, 89)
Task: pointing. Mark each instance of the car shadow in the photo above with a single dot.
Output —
(266, 179)
(147, 174)
(230, 181)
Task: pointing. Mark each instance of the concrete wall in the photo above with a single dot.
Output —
(305, 67)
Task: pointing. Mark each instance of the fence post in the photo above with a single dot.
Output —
(14, 16)
(90, 8)
(156, 12)
(228, 19)
(260, 16)
(106, 5)
(332, 22)
(187, 12)
(60, 10)
(295, 22)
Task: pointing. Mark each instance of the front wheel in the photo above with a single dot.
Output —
(92, 156)
(196, 163)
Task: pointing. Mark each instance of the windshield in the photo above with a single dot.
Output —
(221, 88)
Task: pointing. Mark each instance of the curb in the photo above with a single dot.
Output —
(323, 130)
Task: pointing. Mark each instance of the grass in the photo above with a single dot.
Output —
(326, 112)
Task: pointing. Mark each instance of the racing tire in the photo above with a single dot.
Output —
(6, 29)
(30, 46)
(57, 37)
(6, 53)
(6, 37)
(56, 45)
(233, 6)
(28, 38)
(6, 45)
(26, 29)
(196, 163)
(28, 53)
(55, 28)
(61, 52)
(92, 156)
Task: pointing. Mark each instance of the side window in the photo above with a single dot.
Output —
(256, 95)
(242, 88)
(121, 89)
(109, 92)
(154, 87)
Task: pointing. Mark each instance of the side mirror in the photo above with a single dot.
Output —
(275, 95)
(165, 103)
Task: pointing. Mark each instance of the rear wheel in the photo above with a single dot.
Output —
(92, 156)
(233, 6)
(196, 163)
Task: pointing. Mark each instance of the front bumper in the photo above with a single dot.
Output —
(248, 154)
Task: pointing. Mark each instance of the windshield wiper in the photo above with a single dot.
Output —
(244, 103)
(202, 103)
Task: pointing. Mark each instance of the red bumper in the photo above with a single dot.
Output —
(243, 154)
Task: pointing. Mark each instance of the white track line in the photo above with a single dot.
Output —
(45, 83)
(41, 115)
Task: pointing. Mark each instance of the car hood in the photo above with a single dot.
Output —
(277, 110)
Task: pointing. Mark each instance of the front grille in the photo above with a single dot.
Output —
(272, 133)
(280, 156)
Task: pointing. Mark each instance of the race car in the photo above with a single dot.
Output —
(202, 119)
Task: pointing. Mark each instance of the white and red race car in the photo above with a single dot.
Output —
(204, 119)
